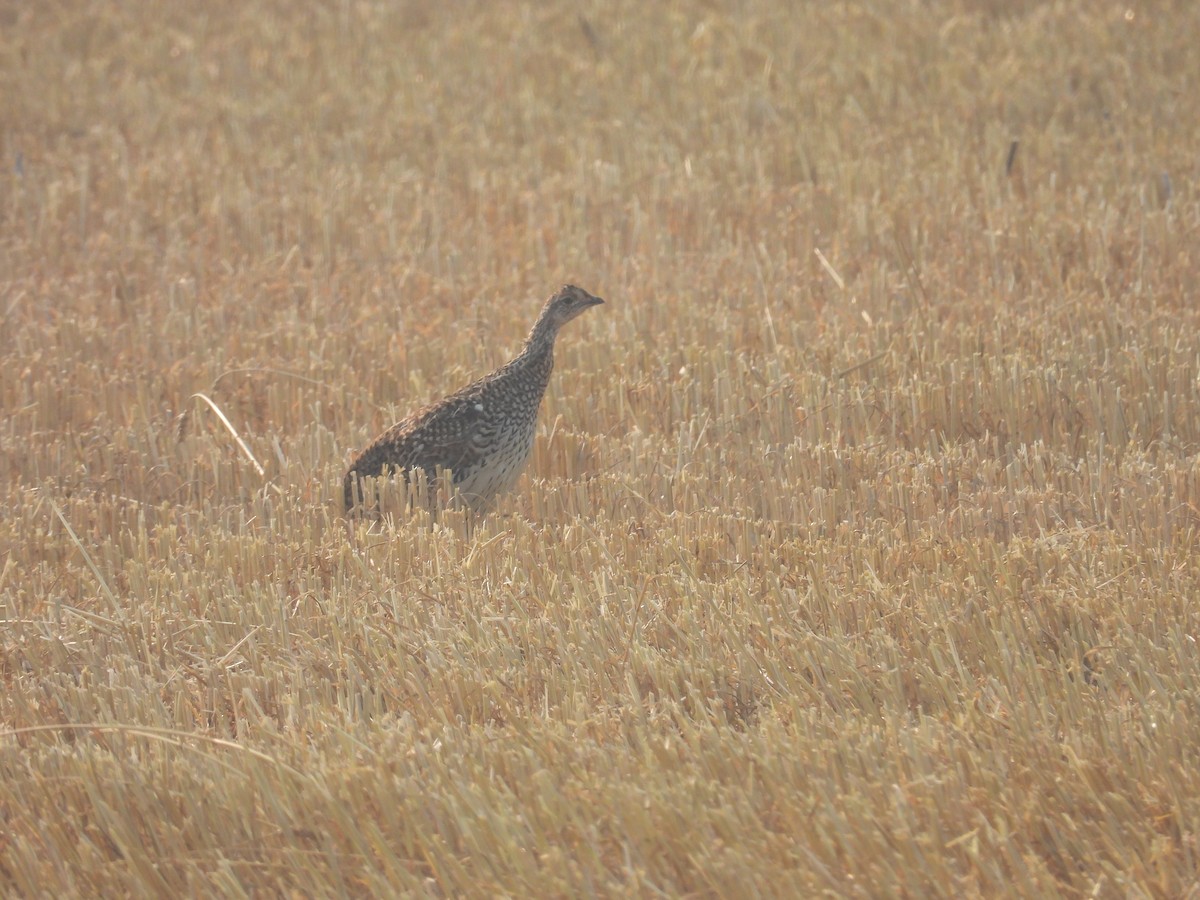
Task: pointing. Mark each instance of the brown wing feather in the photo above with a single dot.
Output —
(451, 434)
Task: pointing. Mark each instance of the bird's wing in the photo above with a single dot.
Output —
(453, 434)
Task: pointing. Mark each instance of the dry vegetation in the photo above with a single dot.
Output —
(857, 555)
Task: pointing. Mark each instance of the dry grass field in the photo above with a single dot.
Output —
(858, 552)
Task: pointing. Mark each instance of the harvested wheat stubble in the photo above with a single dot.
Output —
(856, 551)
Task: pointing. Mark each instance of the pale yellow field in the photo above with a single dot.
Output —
(857, 556)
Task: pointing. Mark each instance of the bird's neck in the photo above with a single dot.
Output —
(538, 352)
(543, 333)
(541, 339)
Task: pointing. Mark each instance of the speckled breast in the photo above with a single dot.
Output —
(501, 468)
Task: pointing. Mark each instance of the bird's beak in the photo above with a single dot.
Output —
(596, 301)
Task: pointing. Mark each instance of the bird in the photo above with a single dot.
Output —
(483, 433)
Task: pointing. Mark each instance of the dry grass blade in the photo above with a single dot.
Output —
(1011, 158)
(229, 427)
(175, 737)
(113, 603)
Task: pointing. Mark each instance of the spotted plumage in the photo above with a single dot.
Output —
(483, 433)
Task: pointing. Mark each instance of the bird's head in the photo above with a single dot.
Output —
(568, 302)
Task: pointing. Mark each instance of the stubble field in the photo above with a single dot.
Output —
(857, 555)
